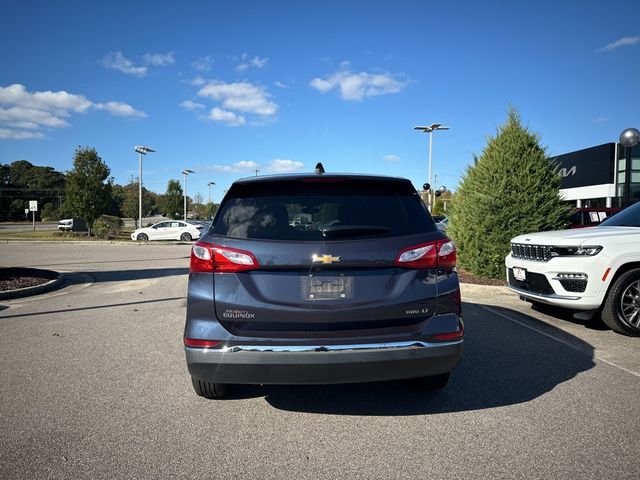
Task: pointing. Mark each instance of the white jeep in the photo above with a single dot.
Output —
(592, 270)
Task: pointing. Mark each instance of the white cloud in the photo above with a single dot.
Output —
(255, 62)
(281, 85)
(59, 102)
(356, 86)
(225, 116)
(120, 109)
(6, 134)
(242, 166)
(203, 64)
(21, 109)
(284, 166)
(391, 158)
(602, 119)
(240, 96)
(621, 42)
(117, 61)
(189, 105)
(159, 59)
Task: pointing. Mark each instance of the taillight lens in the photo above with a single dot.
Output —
(207, 257)
(438, 254)
(198, 343)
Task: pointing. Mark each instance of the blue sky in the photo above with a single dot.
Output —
(225, 88)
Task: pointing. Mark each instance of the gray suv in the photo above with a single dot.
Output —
(321, 279)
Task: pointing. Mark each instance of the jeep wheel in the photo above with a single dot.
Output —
(209, 390)
(142, 237)
(621, 311)
(185, 237)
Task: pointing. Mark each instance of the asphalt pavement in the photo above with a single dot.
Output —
(94, 385)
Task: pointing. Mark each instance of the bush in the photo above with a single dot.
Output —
(107, 226)
(511, 189)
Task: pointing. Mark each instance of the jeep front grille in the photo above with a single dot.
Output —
(537, 253)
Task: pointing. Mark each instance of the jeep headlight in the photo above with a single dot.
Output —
(572, 251)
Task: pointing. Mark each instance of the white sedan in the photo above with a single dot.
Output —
(169, 230)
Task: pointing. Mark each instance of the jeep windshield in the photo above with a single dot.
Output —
(311, 209)
(629, 217)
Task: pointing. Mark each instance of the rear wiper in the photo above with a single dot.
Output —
(345, 230)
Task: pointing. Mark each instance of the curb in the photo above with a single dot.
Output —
(37, 290)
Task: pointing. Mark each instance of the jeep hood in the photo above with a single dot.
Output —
(575, 237)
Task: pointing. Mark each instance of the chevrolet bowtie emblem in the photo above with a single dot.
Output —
(325, 258)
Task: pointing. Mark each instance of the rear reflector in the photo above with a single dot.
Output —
(197, 343)
(209, 258)
(449, 336)
(438, 254)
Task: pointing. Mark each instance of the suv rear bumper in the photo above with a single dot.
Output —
(323, 364)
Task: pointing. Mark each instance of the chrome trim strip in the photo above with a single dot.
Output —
(553, 296)
(333, 348)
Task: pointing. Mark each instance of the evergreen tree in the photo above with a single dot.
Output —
(173, 199)
(511, 189)
(88, 186)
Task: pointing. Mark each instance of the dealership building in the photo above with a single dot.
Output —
(595, 176)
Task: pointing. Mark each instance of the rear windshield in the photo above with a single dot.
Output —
(322, 209)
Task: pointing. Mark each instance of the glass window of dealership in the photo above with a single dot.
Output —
(595, 176)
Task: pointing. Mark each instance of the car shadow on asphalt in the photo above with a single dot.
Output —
(594, 323)
(124, 275)
(504, 363)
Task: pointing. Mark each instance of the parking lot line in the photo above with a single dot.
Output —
(557, 339)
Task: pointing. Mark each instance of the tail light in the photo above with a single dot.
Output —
(451, 336)
(438, 254)
(210, 258)
(198, 343)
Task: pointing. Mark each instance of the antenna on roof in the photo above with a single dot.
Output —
(319, 170)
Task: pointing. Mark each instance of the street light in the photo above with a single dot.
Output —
(186, 172)
(210, 184)
(629, 138)
(142, 151)
(429, 129)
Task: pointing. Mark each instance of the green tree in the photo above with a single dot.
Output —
(88, 186)
(511, 189)
(16, 210)
(21, 180)
(131, 202)
(172, 200)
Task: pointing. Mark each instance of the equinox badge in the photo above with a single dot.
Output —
(327, 259)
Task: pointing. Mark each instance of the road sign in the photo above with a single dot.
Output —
(26, 211)
(33, 205)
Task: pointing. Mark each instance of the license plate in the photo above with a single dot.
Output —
(520, 274)
(328, 288)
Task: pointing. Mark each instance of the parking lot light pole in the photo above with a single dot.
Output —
(210, 184)
(186, 172)
(142, 151)
(430, 129)
(629, 138)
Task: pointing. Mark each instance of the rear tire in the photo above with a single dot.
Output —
(142, 237)
(434, 382)
(621, 311)
(209, 390)
(185, 237)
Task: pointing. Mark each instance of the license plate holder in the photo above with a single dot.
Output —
(328, 288)
(520, 274)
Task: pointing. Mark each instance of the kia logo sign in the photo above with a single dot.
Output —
(563, 172)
